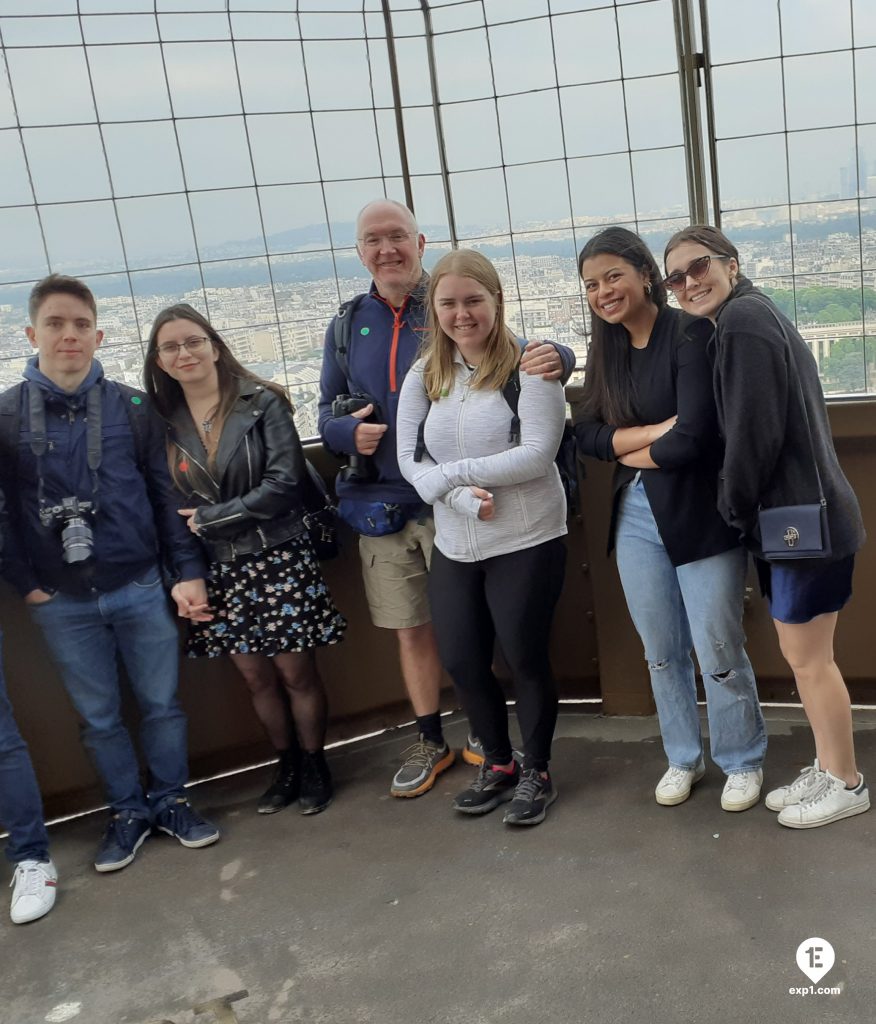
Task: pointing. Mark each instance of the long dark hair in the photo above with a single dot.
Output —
(609, 392)
(167, 394)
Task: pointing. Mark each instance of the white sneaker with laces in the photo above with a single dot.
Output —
(784, 796)
(676, 784)
(33, 890)
(742, 790)
(827, 800)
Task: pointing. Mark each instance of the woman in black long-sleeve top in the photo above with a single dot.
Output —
(648, 404)
(236, 458)
(779, 452)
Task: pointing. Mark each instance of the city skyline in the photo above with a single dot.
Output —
(219, 152)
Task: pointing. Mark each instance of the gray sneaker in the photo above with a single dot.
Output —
(423, 762)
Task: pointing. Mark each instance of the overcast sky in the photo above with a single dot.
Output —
(231, 121)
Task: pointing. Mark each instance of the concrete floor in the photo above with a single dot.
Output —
(399, 912)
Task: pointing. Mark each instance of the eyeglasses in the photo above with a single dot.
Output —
(395, 238)
(696, 270)
(172, 349)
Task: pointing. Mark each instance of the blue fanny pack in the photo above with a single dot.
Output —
(376, 518)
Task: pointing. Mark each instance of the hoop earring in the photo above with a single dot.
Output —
(647, 287)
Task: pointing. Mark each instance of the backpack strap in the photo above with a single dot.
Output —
(136, 405)
(343, 335)
(420, 447)
(10, 427)
(511, 394)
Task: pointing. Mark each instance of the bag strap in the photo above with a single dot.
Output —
(765, 302)
(511, 394)
(343, 336)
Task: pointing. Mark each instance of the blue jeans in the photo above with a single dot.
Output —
(695, 606)
(84, 635)
(21, 809)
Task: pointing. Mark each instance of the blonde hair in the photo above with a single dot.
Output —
(502, 352)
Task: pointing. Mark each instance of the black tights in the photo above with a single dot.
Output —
(288, 697)
(511, 597)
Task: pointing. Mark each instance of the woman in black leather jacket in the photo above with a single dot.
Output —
(235, 455)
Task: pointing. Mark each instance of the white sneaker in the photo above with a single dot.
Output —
(827, 800)
(742, 790)
(784, 796)
(33, 890)
(676, 784)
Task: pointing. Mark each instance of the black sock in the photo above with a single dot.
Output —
(430, 727)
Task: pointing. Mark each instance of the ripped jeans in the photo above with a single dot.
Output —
(695, 606)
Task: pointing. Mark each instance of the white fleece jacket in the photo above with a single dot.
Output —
(467, 444)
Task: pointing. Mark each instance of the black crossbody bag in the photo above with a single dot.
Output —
(795, 531)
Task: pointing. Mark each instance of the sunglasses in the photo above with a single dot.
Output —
(696, 270)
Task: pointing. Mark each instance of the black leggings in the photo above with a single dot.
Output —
(511, 597)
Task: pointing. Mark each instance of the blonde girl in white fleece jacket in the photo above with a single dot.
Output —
(500, 512)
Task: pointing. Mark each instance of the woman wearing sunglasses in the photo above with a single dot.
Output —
(235, 456)
(648, 405)
(779, 452)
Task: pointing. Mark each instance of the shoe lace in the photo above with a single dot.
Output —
(284, 774)
(486, 775)
(419, 754)
(821, 789)
(804, 778)
(738, 780)
(184, 815)
(530, 785)
(29, 879)
(117, 829)
(675, 774)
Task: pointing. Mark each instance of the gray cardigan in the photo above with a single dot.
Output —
(467, 444)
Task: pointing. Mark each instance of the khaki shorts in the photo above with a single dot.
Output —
(395, 569)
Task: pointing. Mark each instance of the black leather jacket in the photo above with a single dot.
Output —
(248, 500)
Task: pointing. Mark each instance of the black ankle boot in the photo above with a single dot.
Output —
(316, 783)
(285, 785)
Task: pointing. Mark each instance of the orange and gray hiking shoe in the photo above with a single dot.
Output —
(473, 752)
(423, 762)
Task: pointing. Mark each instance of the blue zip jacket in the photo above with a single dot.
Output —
(136, 522)
(384, 344)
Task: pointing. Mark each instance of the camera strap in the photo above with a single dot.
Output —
(39, 441)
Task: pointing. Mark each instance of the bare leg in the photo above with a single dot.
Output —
(420, 667)
(808, 649)
(268, 697)
(306, 694)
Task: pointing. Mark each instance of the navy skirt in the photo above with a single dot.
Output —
(798, 591)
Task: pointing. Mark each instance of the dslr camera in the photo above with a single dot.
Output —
(360, 469)
(77, 538)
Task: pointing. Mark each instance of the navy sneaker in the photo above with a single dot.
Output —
(123, 838)
(180, 820)
(491, 788)
(534, 795)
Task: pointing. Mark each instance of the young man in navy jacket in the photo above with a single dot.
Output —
(385, 330)
(93, 523)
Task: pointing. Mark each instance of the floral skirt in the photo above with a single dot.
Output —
(267, 603)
